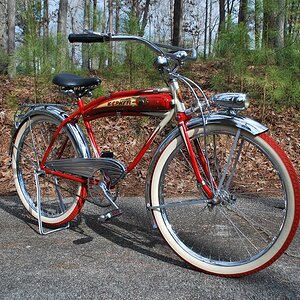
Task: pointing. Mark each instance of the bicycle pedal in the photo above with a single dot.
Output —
(109, 215)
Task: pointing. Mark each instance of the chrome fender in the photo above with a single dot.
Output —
(243, 123)
(57, 113)
(240, 122)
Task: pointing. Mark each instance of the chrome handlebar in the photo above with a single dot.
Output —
(176, 53)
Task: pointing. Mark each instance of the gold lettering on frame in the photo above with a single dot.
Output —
(128, 101)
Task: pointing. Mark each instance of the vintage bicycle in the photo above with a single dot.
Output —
(222, 193)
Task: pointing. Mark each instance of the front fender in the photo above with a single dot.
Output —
(244, 123)
(240, 122)
(59, 114)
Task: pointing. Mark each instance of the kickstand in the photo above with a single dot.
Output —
(42, 230)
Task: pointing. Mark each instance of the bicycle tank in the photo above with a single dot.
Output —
(133, 102)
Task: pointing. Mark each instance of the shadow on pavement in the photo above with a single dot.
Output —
(135, 237)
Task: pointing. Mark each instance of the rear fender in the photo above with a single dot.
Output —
(57, 113)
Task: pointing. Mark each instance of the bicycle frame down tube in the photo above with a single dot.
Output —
(183, 130)
(143, 150)
(151, 138)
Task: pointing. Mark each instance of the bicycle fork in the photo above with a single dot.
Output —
(182, 118)
(214, 191)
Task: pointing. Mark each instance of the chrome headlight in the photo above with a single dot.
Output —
(160, 62)
(232, 101)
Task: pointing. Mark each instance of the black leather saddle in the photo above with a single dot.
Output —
(70, 81)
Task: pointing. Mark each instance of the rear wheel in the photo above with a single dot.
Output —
(254, 217)
(61, 199)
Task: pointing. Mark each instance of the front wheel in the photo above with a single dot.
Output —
(255, 215)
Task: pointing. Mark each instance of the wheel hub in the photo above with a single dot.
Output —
(223, 197)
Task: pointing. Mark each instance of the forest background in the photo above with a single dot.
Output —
(250, 46)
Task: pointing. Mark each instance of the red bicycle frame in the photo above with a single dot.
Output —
(130, 103)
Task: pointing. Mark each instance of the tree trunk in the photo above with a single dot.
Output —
(177, 22)
(45, 29)
(210, 28)
(104, 16)
(118, 8)
(280, 24)
(110, 16)
(110, 29)
(273, 23)
(73, 51)
(257, 23)
(268, 24)
(86, 25)
(11, 24)
(293, 19)
(46, 18)
(222, 16)
(62, 18)
(95, 15)
(145, 17)
(171, 19)
(243, 12)
(94, 59)
(3, 25)
(62, 34)
(205, 28)
(230, 6)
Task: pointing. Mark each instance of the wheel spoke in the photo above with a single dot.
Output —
(240, 233)
(258, 227)
(26, 156)
(236, 138)
(236, 160)
(186, 202)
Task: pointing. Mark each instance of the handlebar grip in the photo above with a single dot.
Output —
(88, 37)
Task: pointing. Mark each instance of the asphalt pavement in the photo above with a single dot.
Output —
(121, 259)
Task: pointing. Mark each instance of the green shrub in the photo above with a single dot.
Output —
(269, 75)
